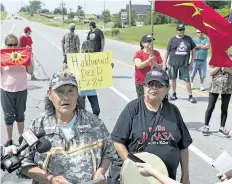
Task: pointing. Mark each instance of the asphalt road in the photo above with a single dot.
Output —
(47, 51)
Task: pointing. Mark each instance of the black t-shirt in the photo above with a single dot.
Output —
(96, 37)
(171, 134)
(179, 49)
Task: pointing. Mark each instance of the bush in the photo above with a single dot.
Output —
(225, 12)
(113, 32)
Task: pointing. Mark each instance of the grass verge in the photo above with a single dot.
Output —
(3, 16)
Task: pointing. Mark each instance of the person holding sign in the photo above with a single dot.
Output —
(14, 89)
(152, 124)
(88, 47)
(145, 59)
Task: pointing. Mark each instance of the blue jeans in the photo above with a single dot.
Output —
(199, 66)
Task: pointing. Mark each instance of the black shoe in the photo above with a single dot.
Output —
(8, 143)
(20, 140)
(173, 97)
(223, 132)
(192, 100)
(206, 131)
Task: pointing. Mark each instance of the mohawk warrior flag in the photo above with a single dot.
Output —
(16, 56)
(201, 16)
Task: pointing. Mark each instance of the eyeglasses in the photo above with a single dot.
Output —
(155, 84)
(12, 45)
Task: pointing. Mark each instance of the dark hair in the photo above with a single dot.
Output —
(9, 36)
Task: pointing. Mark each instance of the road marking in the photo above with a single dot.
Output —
(194, 149)
(178, 84)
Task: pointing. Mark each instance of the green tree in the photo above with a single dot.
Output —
(80, 11)
(2, 7)
(134, 17)
(217, 4)
(107, 16)
(71, 15)
(35, 6)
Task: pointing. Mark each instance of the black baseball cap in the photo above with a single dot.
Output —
(93, 24)
(180, 27)
(146, 38)
(157, 74)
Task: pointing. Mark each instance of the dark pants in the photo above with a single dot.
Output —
(139, 90)
(13, 105)
(93, 100)
(65, 59)
(224, 107)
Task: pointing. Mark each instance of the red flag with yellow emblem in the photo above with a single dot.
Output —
(16, 56)
(201, 16)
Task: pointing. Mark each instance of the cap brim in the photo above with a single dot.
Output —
(155, 79)
(64, 83)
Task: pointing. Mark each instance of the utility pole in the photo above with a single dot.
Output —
(130, 13)
(104, 16)
(62, 6)
(84, 9)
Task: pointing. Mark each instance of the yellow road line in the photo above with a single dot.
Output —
(178, 84)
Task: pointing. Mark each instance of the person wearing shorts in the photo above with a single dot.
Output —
(178, 51)
(14, 93)
(200, 62)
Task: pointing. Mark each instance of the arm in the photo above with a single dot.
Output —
(229, 70)
(102, 40)
(62, 44)
(122, 150)
(30, 68)
(78, 43)
(214, 70)
(140, 65)
(193, 55)
(184, 161)
(165, 59)
(206, 46)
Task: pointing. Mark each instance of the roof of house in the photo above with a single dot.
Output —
(139, 9)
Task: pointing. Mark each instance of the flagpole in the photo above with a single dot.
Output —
(152, 22)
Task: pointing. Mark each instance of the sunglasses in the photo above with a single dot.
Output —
(155, 84)
(147, 41)
(181, 29)
(199, 32)
(12, 45)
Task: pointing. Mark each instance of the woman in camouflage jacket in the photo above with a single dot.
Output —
(81, 147)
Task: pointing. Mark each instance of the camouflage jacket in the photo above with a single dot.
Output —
(221, 83)
(71, 43)
(78, 159)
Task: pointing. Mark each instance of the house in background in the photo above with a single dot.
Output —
(141, 10)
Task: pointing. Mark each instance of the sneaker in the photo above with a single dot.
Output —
(223, 132)
(192, 100)
(192, 87)
(173, 97)
(8, 143)
(202, 88)
(206, 131)
(20, 140)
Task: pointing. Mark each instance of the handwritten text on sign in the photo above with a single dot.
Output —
(92, 70)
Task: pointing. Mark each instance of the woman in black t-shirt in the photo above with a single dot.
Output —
(152, 124)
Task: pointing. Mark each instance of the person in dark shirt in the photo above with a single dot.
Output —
(179, 50)
(96, 36)
(151, 124)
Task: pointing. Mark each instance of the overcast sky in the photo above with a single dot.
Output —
(91, 6)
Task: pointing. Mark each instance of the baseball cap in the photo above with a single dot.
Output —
(62, 78)
(93, 24)
(26, 29)
(157, 74)
(72, 26)
(198, 31)
(146, 38)
(180, 27)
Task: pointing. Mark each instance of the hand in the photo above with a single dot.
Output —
(151, 58)
(165, 67)
(10, 149)
(59, 180)
(145, 169)
(190, 66)
(185, 179)
(100, 175)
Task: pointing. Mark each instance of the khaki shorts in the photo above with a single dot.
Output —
(183, 73)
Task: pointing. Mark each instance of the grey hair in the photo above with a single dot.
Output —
(9, 36)
(87, 47)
